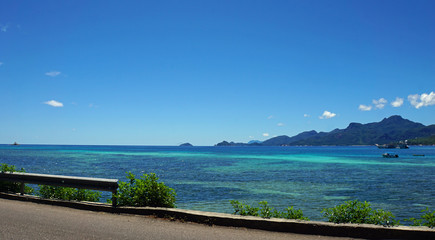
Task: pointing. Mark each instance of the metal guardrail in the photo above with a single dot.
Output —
(101, 184)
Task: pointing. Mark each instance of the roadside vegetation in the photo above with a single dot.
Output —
(145, 191)
(359, 212)
(148, 191)
(13, 187)
(265, 211)
(426, 219)
(67, 193)
(138, 192)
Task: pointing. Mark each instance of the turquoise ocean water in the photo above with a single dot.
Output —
(207, 178)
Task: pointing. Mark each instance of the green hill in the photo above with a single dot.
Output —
(392, 129)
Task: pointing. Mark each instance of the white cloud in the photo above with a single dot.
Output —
(306, 115)
(280, 124)
(327, 114)
(54, 103)
(363, 107)
(380, 103)
(413, 99)
(422, 100)
(52, 73)
(398, 102)
(270, 117)
(265, 134)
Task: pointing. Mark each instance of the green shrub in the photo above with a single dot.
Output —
(146, 191)
(13, 187)
(265, 211)
(293, 214)
(427, 219)
(244, 209)
(359, 212)
(67, 193)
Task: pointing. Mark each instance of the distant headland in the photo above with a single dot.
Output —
(389, 130)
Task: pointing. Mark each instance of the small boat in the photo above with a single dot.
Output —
(400, 145)
(390, 155)
(15, 144)
(403, 146)
(386, 145)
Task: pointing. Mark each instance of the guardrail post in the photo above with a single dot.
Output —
(114, 199)
(22, 188)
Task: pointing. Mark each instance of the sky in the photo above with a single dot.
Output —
(170, 72)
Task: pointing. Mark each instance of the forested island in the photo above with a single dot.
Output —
(390, 130)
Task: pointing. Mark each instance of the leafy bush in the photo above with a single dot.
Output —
(266, 211)
(359, 212)
(427, 219)
(292, 213)
(244, 209)
(146, 191)
(67, 193)
(13, 187)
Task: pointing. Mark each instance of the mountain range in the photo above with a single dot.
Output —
(392, 129)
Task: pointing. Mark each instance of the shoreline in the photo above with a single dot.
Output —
(229, 220)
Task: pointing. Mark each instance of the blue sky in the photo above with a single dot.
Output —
(169, 72)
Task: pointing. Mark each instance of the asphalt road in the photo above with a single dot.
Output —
(27, 220)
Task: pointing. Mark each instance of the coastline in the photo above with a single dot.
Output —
(365, 231)
(309, 178)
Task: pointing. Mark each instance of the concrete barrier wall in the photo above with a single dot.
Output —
(367, 231)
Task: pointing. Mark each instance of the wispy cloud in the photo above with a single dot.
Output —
(52, 73)
(265, 134)
(280, 124)
(306, 115)
(398, 102)
(422, 100)
(54, 103)
(363, 107)
(4, 27)
(270, 117)
(1, 63)
(91, 105)
(379, 104)
(327, 114)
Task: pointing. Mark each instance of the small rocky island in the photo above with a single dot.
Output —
(186, 145)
